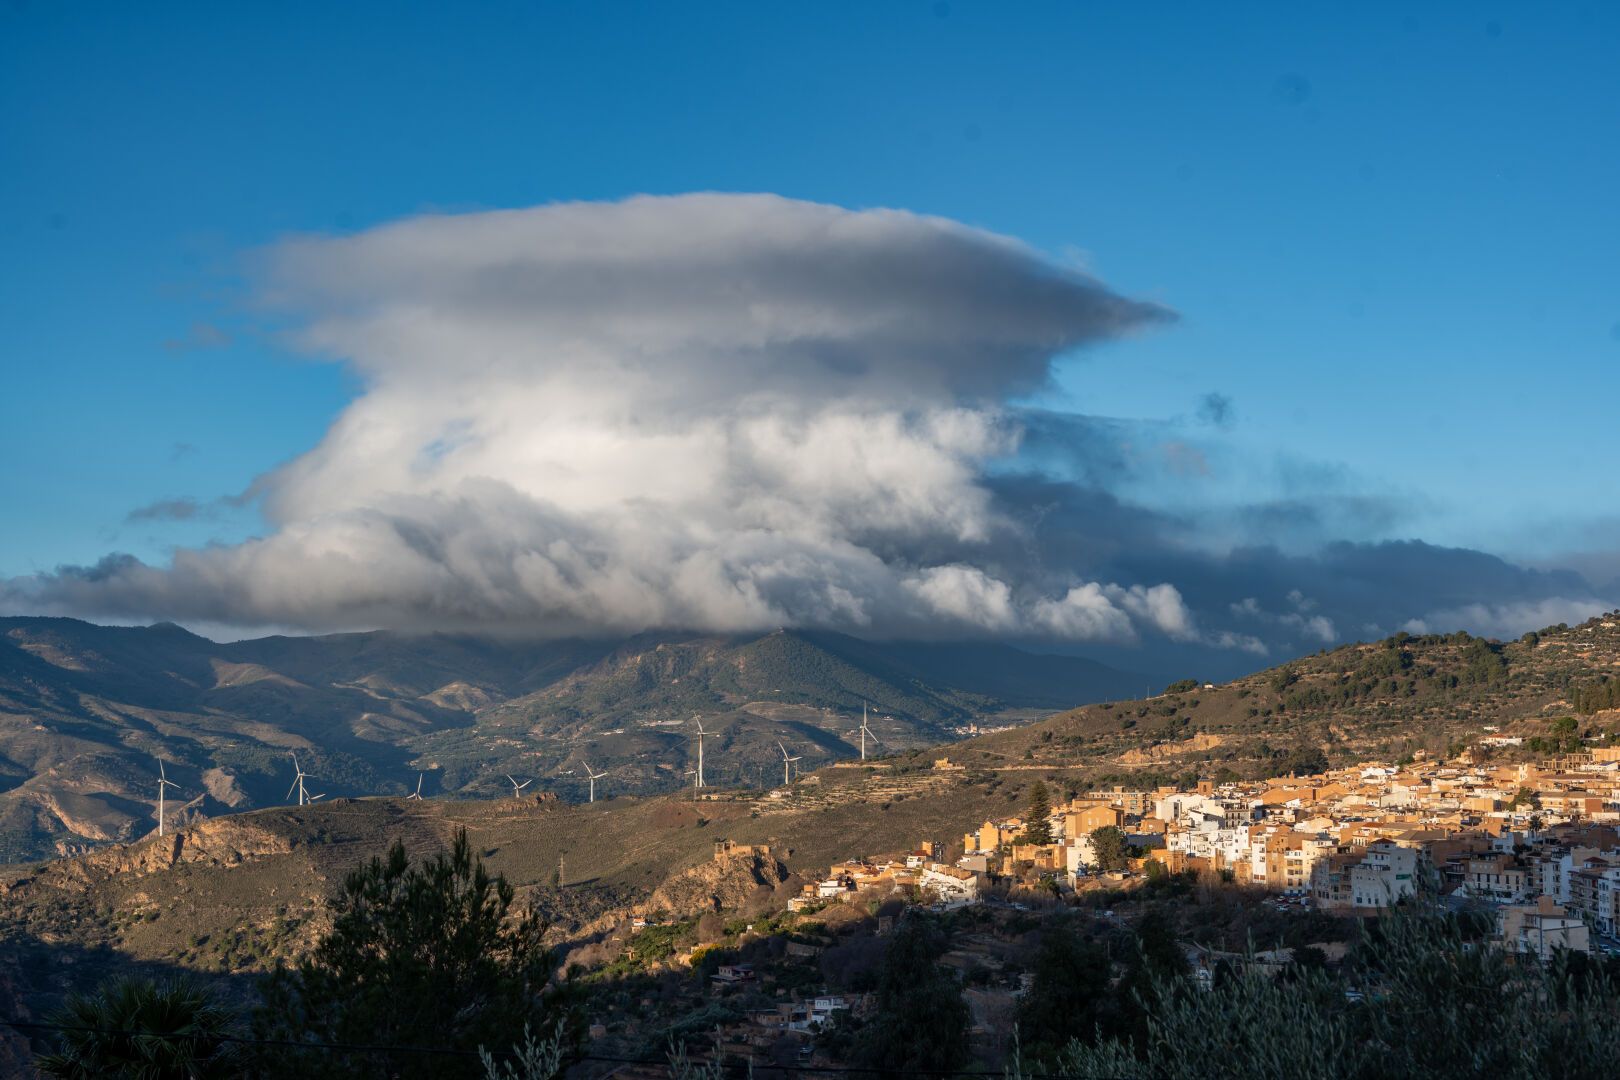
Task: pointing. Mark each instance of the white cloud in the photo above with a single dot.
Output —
(1226, 639)
(1508, 620)
(704, 412)
(1300, 621)
(1085, 613)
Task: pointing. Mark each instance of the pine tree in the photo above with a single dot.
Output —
(417, 956)
(920, 1022)
(1070, 985)
(1108, 848)
(1038, 828)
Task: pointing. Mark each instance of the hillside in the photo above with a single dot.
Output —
(85, 709)
(227, 896)
(1387, 699)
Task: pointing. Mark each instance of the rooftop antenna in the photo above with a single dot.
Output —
(417, 794)
(163, 781)
(298, 780)
(594, 776)
(787, 763)
(700, 734)
(517, 788)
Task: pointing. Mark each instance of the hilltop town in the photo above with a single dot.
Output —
(1353, 840)
(1533, 845)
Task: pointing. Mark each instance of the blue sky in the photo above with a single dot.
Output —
(1391, 233)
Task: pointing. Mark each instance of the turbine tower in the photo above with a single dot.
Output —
(517, 788)
(417, 794)
(700, 734)
(866, 731)
(594, 776)
(787, 762)
(298, 780)
(163, 782)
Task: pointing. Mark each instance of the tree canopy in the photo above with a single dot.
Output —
(1070, 985)
(136, 1028)
(1038, 825)
(1427, 1001)
(920, 1021)
(428, 955)
(1108, 848)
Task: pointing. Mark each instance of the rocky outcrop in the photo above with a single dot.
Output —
(1166, 751)
(218, 842)
(718, 885)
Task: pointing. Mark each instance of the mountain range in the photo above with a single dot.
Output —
(231, 894)
(86, 711)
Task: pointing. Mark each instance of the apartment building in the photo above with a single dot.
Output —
(1543, 928)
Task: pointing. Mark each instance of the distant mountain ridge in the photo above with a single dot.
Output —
(84, 710)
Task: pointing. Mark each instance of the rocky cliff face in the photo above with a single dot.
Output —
(722, 884)
(214, 842)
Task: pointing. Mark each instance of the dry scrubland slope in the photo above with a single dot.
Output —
(85, 709)
(1386, 699)
(227, 896)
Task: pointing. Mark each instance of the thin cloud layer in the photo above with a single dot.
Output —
(731, 413)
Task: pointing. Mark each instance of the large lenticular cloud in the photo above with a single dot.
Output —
(733, 413)
(707, 412)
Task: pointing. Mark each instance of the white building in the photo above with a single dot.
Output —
(1387, 874)
(1542, 928)
(951, 884)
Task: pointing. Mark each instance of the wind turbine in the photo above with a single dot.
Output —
(517, 788)
(700, 734)
(163, 781)
(417, 794)
(298, 780)
(786, 763)
(865, 731)
(594, 777)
